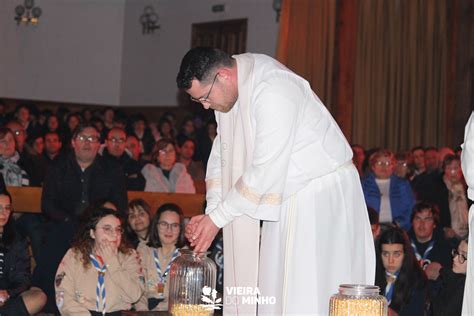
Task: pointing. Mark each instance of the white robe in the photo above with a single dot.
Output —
(280, 157)
(467, 162)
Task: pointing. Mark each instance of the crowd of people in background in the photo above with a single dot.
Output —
(88, 235)
(418, 209)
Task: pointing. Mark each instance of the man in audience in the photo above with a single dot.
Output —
(70, 186)
(133, 147)
(418, 154)
(431, 159)
(427, 239)
(186, 148)
(442, 153)
(115, 153)
(52, 146)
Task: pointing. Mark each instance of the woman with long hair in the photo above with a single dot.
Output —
(100, 274)
(16, 295)
(449, 299)
(165, 239)
(399, 275)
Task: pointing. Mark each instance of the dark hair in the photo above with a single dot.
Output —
(411, 275)
(154, 237)
(417, 148)
(8, 230)
(449, 159)
(183, 139)
(431, 148)
(424, 205)
(4, 131)
(373, 216)
(160, 145)
(134, 204)
(81, 127)
(83, 242)
(199, 63)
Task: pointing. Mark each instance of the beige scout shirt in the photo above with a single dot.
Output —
(76, 286)
(152, 280)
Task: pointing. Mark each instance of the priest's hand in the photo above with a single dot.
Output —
(201, 232)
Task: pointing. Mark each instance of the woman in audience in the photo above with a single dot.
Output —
(166, 175)
(450, 297)
(16, 296)
(139, 217)
(165, 238)
(389, 195)
(99, 274)
(12, 172)
(399, 275)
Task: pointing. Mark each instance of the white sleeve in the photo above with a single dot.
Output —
(467, 156)
(258, 192)
(213, 176)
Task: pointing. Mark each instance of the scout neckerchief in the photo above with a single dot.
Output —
(419, 257)
(99, 265)
(391, 278)
(162, 275)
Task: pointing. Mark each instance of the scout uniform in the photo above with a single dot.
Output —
(99, 288)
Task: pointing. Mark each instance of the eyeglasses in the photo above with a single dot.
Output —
(205, 99)
(462, 258)
(383, 163)
(166, 151)
(90, 139)
(18, 132)
(116, 140)
(165, 226)
(5, 209)
(109, 230)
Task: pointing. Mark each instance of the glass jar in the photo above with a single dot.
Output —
(192, 285)
(358, 300)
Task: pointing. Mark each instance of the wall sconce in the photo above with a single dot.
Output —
(27, 13)
(149, 20)
(277, 8)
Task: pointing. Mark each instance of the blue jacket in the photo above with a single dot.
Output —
(402, 199)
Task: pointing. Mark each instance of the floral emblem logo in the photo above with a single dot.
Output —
(209, 296)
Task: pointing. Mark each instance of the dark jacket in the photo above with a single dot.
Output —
(450, 297)
(401, 198)
(68, 190)
(441, 251)
(131, 168)
(16, 278)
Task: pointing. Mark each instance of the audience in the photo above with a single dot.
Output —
(54, 150)
(100, 274)
(70, 186)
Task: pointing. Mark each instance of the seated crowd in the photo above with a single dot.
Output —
(418, 209)
(96, 253)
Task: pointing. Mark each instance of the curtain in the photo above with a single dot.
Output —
(400, 69)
